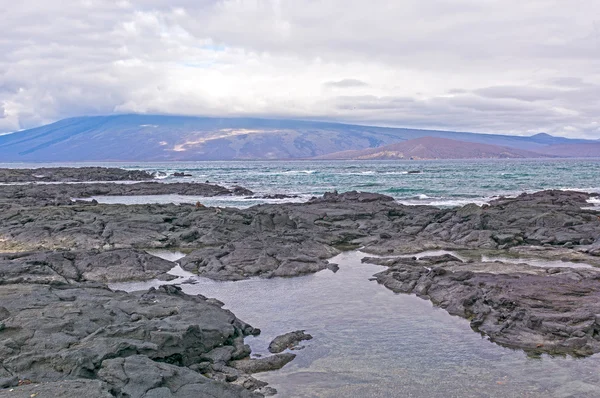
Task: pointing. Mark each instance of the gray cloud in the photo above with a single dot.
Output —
(499, 66)
(346, 83)
(522, 93)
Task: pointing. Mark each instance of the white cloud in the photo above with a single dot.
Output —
(502, 66)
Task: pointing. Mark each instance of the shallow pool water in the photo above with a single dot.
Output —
(370, 342)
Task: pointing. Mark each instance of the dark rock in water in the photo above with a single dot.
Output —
(333, 267)
(267, 391)
(414, 172)
(71, 174)
(276, 196)
(62, 194)
(518, 306)
(181, 174)
(137, 376)
(265, 364)
(351, 196)
(241, 191)
(288, 340)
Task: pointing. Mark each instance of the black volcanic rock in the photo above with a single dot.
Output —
(539, 310)
(78, 266)
(85, 331)
(287, 240)
(265, 364)
(70, 174)
(288, 340)
(62, 194)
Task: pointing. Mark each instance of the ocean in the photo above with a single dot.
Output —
(443, 183)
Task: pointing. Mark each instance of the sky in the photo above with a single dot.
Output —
(492, 66)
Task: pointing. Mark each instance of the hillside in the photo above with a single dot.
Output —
(434, 148)
(587, 150)
(175, 138)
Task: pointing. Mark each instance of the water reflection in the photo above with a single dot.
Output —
(370, 342)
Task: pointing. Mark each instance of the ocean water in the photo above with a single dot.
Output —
(440, 183)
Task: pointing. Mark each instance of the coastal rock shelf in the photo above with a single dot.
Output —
(63, 194)
(539, 310)
(58, 321)
(137, 344)
(70, 174)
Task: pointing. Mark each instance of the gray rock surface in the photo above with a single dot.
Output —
(63, 194)
(297, 238)
(539, 310)
(71, 174)
(78, 266)
(265, 364)
(288, 340)
(63, 389)
(137, 376)
(86, 331)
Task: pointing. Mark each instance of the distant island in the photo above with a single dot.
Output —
(181, 138)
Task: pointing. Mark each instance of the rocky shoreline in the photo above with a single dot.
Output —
(72, 174)
(65, 194)
(539, 310)
(58, 254)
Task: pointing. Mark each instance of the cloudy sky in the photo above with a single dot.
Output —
(494, 66)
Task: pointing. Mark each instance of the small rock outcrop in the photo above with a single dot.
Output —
(288, 340)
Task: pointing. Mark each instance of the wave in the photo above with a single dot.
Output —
(359, 173)
(446, 202)
(298, 172)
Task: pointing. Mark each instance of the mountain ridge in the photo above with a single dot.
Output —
(135, 137)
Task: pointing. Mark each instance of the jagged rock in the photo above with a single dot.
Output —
(63, 194)
(63, 332)
(138, 376)
(295, 239)
(288, 340)
(55, 174)
(265, 364)
(94, 266)
(518, 306)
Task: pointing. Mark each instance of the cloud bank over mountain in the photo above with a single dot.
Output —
(497, 66)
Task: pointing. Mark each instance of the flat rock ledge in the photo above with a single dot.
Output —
(64, 267)
(540, 310)
(66, 194)
(72, 174)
